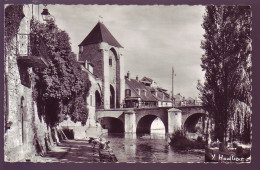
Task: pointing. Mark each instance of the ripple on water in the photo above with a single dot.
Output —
(148, 148)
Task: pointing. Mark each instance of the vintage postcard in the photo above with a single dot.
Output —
(127, 83)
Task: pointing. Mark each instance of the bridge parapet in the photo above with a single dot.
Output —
(115, 113)
(141, 118)
(188, 103)
(151, 108)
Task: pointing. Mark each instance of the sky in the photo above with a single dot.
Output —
(155, 39)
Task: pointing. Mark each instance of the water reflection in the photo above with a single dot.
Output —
(130, 135)
(154, 147)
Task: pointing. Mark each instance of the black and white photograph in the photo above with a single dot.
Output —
(127, 83)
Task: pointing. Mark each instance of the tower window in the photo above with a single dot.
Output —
(110, 61)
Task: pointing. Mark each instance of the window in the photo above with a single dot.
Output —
(144, 91)
(138, 91)
(110, 61)
(80, 49)
(127, 92)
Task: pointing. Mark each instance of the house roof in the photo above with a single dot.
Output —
(160, 94)
(161, 89)
(134, 84)
(178, 97)
(190, 98)
(147, 79)
(99, 34)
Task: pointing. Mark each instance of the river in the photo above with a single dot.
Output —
(154, 147)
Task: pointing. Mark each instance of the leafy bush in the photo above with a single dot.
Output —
(179, 140)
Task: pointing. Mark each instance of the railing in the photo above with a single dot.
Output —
(140, 105)
(188, 103)
(30, 45)
(31, 51)
(23, 44)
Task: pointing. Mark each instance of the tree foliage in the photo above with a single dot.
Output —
(226, 93)
(62, 87)
(13, 16)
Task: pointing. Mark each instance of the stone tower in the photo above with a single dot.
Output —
(102, 50)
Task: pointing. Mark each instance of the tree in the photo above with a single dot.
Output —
(61, 88)
(226, 93)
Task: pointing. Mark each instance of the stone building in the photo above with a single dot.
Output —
(103, 51)
(137, 94)
(101, 57)
(145, 93)
(26, 132)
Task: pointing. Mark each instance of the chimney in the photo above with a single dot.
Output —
(128, 75)
(137, 78)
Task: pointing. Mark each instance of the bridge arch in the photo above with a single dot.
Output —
(192, 120)
(146, 116)
(112, 124)
(145, 123)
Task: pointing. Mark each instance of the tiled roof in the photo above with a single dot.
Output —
(160, 94)
(190, 98)
(134, 84)
(147, 79)
(99, 34)
(161, 89)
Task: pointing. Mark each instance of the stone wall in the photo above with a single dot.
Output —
(91, 100)
(79, 131)
(26, 133)
(93, 54)
(91, 128)
(26, 128)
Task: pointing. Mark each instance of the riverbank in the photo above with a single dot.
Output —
(76, 151)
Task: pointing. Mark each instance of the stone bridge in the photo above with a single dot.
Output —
(139, 120)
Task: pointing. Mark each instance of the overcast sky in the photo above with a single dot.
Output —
(154, 38)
